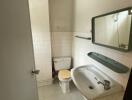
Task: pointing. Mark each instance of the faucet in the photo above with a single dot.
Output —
(106, 84)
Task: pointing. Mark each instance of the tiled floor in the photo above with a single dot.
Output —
(53, 92)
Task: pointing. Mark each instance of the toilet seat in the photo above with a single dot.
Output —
(64, 75)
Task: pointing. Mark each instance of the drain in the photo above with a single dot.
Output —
(91, 87)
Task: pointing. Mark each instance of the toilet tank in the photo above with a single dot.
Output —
(62, 63)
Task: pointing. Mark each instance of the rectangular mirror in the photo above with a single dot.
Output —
(113, 29)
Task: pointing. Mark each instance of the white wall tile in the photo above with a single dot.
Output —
(39, 12)
(61, 44)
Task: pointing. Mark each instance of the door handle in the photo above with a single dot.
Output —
(35, 72)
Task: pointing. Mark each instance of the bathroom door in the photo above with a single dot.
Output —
(16, 52)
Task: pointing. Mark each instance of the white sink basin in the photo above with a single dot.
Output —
(86, 79)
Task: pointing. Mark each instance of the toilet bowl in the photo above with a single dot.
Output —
(62, 64)
(64, 78)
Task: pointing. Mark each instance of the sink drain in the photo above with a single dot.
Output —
(91, 87)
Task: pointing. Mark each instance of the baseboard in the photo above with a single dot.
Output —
(44, 82)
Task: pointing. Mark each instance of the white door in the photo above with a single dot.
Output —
(16, 52)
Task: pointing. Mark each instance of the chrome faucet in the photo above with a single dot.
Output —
(106, 84)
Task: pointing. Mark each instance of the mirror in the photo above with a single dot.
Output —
(113, 29)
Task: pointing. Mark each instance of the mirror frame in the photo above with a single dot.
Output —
(113, 12)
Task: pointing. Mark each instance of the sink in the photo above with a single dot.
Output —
(87, 79)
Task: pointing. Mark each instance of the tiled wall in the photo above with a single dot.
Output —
(84, 10)
(39, 13)
(61, 44)
(42, 53)
(82, 47)
(61, 18)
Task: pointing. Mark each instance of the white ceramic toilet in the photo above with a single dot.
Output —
(62, 64)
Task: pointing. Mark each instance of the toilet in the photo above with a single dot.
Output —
(62, 65)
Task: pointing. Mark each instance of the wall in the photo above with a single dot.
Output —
(61, 26)
(61, 44)
(39, 13)
(84, 10)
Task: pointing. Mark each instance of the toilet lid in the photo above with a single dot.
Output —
(64, 74)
